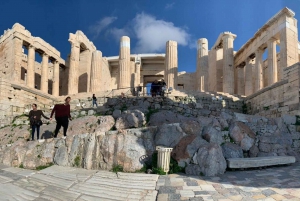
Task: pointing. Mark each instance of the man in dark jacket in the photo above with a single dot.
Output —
(35, 120)
(62, 116)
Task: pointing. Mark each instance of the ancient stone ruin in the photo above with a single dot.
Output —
(235, 105)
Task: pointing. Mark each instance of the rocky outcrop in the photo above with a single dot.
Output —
(210, 160)
(231, 150)
(169, 135)
(130, 119)
(242, 135)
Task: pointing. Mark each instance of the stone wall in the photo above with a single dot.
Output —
(16, 99)
(279, 98)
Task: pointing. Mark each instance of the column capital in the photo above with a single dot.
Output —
(55, 61)
(31, 47)
(228, 35)
(74, 43)
(258, 51)
(44, 54)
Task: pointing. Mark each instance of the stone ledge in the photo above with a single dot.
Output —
(259, 161)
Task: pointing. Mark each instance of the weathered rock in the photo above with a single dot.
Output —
(169, 135)
(192, 127)
(165, 117)
(91, 112)
(131, 119)
(192, 169)
(211, 160)
(186, 148)
(231, 150)
(61, 154)
(104, 123)
(211, 134)
(116, 114)
(112, 102)
(253, 151)
(242, 135)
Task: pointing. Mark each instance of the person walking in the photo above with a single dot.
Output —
(35, 120)
(62, 116)
(138, 90)
(94, 100)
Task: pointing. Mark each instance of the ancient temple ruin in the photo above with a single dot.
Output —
(87, 70)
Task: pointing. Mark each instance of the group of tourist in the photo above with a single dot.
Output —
(62, 117)
(62, 111)
(158, 88)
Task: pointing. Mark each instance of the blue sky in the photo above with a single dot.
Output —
(148, 23)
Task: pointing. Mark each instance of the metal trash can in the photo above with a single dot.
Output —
(163, 158)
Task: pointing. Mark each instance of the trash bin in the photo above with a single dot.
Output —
(163, 158)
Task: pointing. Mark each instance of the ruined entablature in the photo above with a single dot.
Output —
(219, 42)
(41, 46)
(270, 31)
(80, 37)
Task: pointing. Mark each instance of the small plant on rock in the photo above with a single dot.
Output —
(117, 168)
(21, 165)
(77, 161)
(41, 167)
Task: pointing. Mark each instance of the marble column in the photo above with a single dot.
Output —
(17, 62)
(124, 63)
(30, 67)
(288, 44)
(228, 68)
(241, 81)
(73, 68)
(137, 79)
(272, 62)
(202, 64)
(259, 70)
(248, 78)
(96, 71)
(171, 64)
(44, 74)
(55, 85)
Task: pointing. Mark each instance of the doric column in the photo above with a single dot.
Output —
(288, 44)
(137, 79)
(124, 63)
(228, 68)
(248, 78)
(212, 70)
(171, 64)
(272, 62)
(30, 66)
(73, 68)
(44, 74)
(55, 85)
(202, 64)
(17, 56)
(96, 71)
(258, 70)
(241, 81)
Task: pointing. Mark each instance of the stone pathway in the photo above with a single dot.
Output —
(271, 184)
(65, 184)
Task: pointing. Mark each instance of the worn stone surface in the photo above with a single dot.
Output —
(242, 135)
(231, 150)
(131, 119)
(169, 135)
(211, 160)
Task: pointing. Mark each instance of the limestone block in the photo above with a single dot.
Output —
(259, 161)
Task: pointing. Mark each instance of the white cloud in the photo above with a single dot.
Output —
(152, 34)
(169, 6)
(101, 25)
(118, 33)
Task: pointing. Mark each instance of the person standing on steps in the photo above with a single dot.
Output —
(62, 116)
(35, 120)
(94, 100)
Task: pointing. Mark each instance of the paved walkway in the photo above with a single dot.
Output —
(66, 184)
(276, 183)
